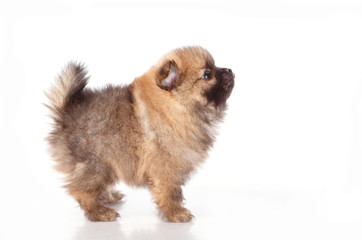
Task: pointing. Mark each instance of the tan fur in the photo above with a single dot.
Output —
(153, 133)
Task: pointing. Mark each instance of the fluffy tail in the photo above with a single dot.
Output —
(69, 83)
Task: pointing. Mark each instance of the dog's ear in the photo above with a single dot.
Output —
(168, 76)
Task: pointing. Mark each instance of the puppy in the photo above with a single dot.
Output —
(153, 132)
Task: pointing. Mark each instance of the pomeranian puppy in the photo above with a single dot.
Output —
(153, 132)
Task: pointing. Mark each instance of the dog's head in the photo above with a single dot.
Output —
(190, 75)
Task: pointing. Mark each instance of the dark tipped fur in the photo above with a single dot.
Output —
(222, 89)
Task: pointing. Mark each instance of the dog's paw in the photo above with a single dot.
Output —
(178, 215)
(103, 214)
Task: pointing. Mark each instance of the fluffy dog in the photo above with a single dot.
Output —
(153, 132)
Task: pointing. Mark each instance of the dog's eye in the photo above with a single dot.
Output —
(207, 75)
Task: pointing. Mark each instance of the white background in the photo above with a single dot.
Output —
(287, 163)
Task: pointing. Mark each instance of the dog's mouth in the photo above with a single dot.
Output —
(221, 91)
(228, 82)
